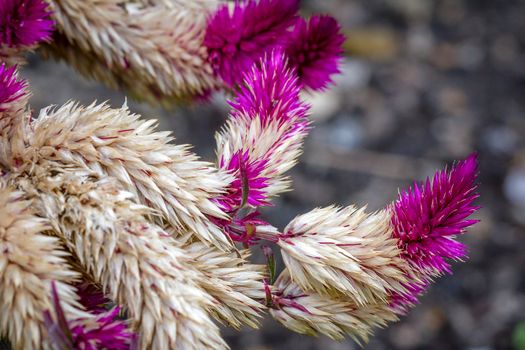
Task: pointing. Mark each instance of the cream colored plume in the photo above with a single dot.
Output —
(29, 262)
(136, 262)
(312, 314)
(114, 142)
(235, 284)
(152, 48)
(336, 251)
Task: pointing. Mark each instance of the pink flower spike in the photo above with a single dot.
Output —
(24, 22)
(11, 89)
(427, 217)
(271, 92)
(314, 49)
(239, 38)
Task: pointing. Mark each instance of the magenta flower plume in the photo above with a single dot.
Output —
(427, 217)
(236, 40)
(24, 22)
(271, 92)
(314, 49)
(11, 89)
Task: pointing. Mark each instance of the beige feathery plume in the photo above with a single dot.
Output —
(114, 142)
(344, 251)
(235, 284)
(311, 313)
(29, 262)
(155, 52)
(136, 262)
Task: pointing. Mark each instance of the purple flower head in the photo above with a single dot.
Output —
(271, 92)
(239, 38)
(314, 49)
(24, 22)
(246, 188)
(11, 89)
(105, 331)
(427, 217)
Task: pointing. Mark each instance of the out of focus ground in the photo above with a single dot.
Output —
(426, 82)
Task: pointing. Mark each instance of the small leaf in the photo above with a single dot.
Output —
(270, 262)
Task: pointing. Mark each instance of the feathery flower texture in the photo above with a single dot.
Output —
(314, 48)
(12, 89)
(165, 51)
(24, 22)
(428, 216)
(98, 209)
(103, 331)
(238, 38)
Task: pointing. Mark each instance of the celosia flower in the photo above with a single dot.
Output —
(104, 331)
(235, 284)
(152, 49)
(313, 313)
(24, 22)
(427, 217)
(314, 49)
(239, 38)
(271, 92)
(268, 123)
(246, 188)
(11, 89)
(260, 142)
(343, 251)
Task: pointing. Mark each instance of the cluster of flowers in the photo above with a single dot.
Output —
(167, 50)
(114, 237)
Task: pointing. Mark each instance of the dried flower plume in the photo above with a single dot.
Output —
(312, 313)
(344, 251)
(153, 49)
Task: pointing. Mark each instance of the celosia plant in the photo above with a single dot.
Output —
(114, 237)
(165, 51)
(103, 198)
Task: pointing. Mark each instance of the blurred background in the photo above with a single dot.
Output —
(424, 83)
